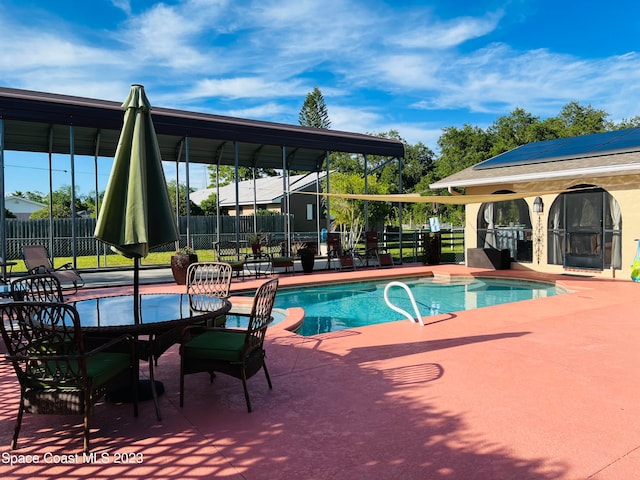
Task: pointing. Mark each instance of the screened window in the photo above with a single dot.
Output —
(506, 225)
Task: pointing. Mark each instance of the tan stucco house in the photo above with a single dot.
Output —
(584, 217)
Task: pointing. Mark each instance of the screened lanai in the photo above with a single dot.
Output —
(85, 129)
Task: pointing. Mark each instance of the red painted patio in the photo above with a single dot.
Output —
(541, 389)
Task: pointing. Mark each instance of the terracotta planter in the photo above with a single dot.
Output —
(179, 265)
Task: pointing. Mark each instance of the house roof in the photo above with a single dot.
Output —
(268, 190)
(39, 122)
(26, 204)
(576, 162)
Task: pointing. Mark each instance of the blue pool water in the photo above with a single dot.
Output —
(337, 307)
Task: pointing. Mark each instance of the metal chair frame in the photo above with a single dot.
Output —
(252, 355)
(46, 346)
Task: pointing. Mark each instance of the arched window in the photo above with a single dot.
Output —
(585, 230)
(506, 225)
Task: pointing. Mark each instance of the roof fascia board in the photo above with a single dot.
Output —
(576, 172)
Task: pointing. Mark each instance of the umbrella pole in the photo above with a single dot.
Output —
(154, 385)
(136, 290)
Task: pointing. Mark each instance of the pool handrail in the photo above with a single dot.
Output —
(395, 283)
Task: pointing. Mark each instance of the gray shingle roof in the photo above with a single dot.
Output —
(267, 190)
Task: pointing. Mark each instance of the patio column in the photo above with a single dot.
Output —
(318, 210)
(178, 191)
(74, 233)
(255, 202)
(51, 239)
(327, 198)
(187, 200)
(285, 199)
(97, 198)
(3, 230)
(366, 192)
(236, 155)
(400, 206)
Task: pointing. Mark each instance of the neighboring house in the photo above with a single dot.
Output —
(267, 194)
(22, 207)
(586, 216)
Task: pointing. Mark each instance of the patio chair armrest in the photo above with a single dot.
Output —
(110, 343)
(38, 270)
(43, 358)
(66, 266)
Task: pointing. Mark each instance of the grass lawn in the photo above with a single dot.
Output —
(90, 262)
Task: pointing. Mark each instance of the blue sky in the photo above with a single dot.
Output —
(412, 66)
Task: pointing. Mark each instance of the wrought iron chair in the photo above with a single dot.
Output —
(37, 260)
(229, 252)
(45, 344)
(236, 352)
(207, 282)
(43, 287)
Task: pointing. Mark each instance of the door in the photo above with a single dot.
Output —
(584, 213)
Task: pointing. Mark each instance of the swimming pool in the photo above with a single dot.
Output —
(341, 306)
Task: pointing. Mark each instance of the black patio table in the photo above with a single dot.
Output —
(162, 318)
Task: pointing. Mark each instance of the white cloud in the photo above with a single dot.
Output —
(433, 34)
(124, 5)
(267, 110)
(354, 118)
(246, 87)
(162, 34)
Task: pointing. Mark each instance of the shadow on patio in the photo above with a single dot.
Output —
(371, 411)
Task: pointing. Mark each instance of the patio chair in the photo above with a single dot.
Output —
(276, 250)
(334, 250)
(37, 260)
(370, 246)
(373, 250)
(236, 352)
(207, 282)
(229, 252)
(44, 287)
(57, 376)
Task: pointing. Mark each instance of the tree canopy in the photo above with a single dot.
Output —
(314, 111)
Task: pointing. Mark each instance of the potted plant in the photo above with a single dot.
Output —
(180, 261)
(307, 258)
(255, 240)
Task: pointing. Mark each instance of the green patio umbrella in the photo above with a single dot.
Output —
(136, 213)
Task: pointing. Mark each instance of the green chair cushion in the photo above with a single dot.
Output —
(216, 345)
(101, 368)
(282, 261)
(104, 366)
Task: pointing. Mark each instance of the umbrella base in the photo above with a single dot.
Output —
(125, 395)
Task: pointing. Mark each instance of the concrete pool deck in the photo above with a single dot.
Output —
(540, 389)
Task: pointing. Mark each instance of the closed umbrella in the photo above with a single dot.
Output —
(136, 213)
